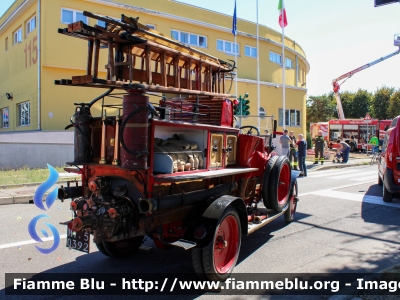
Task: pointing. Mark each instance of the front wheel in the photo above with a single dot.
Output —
(291, 210)
(220, 256)
(387, 196)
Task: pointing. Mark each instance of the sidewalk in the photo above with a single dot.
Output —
(23, 193)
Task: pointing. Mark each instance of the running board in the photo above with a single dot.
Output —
(272, 215)
(183, 244)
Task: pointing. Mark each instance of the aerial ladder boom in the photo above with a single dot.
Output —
(344, 77)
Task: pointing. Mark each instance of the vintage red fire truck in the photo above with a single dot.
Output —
(175, 169)
(360, 129)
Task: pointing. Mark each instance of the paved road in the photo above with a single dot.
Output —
(342, 226)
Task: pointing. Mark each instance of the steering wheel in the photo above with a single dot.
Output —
(249, 130)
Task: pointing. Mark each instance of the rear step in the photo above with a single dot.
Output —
(182, 243)
(271, 215)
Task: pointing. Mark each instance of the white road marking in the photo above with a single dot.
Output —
(354, 175)
(336, 188)
(355, 197)
(367, 178)
(17, 244)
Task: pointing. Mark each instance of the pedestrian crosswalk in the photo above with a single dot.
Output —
(354, 174)
(354, 177)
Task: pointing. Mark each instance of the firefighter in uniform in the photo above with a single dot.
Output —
(319, 147)
(293, 151)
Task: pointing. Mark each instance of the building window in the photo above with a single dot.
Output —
(4, 118)
(289, 63)
(250, 51)
(6, 44)
(30, 25)
(292, 117)
(262, 112)
(275, 57)
(71, 16)
(17, 36)
(151, 26)
(24, 113)
(228, 47)
(189, 38)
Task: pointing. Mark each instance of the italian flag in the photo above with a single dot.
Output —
(282, 14)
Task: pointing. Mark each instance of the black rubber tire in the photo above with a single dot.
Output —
(265, 183)
(101, 249)
(275, 184)
(291, 210)
(387, 196)
(208, 252)
(380, 181)
(124, 248)
(197, 262)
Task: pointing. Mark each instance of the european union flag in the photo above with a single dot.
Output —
(234, 21)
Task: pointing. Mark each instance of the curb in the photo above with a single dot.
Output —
(19, 185)
(338, 166)
(20, 197)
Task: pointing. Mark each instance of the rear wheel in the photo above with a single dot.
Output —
(220, 256)
(387, 196)
(280, 183)
(291, 210)
(197, 262)
(122, 249)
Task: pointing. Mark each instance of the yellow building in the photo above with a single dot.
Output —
(34, 111)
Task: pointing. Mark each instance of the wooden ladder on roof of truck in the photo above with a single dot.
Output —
(144, 59)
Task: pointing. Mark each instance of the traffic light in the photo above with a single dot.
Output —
(236, 107)
(241, 106)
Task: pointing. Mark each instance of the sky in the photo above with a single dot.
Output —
(336, 35)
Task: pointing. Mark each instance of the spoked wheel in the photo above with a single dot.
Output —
(220, 257)
(121, 249)
(249, 130)
(280, 183)
(266, 181)
(289, 213)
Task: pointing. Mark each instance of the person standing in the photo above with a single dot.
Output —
(302, 154)
(345, 149)
(285, 141)
(293, 151)
(319, 148)
(375, 144)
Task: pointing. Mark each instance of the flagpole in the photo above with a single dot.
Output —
(283, 73)
(258, 74)
(234, 31)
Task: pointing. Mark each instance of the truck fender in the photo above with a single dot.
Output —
(294, 174)
(213, 213)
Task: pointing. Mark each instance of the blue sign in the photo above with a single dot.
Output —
(38, 201)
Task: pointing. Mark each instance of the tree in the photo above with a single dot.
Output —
(361, 104)
(320, 108)
(380, 103)
(394, 105)
(347, 103)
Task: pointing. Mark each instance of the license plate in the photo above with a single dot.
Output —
(78, 240)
